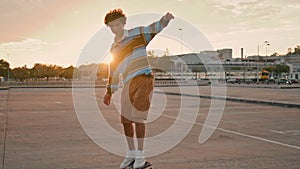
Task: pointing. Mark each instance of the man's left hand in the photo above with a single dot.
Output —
(168, 17)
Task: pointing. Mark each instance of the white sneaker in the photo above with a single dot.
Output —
(129, 158)
(139, 159)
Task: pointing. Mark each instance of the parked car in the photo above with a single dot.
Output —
(233, 81)
(247, 81)
(293, 80)
(283, 81)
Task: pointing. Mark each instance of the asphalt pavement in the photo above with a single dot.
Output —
(40, 129)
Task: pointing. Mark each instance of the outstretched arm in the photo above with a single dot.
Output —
(166, 18)
(156, 27)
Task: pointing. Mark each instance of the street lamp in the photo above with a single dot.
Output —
(181, 41)
(8, 67)
(181, 38)
(267, 44)
(257, 67)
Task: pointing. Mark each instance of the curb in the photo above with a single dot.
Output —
(235, 99)
(54, 87)
(267, 86)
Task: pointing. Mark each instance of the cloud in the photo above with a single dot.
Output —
(26, 45)
(257, 9)
(237, 7)
(22, 17)
(27, 51)
(252, 14)
(245, 23)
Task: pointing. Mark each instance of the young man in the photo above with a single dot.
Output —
(130, 60)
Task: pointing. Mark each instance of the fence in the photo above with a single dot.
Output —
(98, 84)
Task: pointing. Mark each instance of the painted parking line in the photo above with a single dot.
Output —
(239, 134)
(236, 133)
(287, 132)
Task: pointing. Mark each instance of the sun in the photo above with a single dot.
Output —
(108, 58)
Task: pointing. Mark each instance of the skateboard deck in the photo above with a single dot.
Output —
(130, 166)
(147, 165)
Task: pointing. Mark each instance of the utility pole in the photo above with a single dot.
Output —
(181, 38)
(181, 44)
(267, 44)
(257, 79)
(8, 67)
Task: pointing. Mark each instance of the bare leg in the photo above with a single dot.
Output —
(140, 129)
(128, 130)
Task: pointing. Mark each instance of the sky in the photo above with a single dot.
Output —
(56, 31)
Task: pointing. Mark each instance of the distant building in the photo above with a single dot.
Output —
(297, 50)
(293, 61)
(214, 55)
(269, 59)
(242, 53)
(225, 54)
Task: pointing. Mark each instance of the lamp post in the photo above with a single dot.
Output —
(257, 79)
(181, 38)
(181, 41)
(8, 67)
(267, 44)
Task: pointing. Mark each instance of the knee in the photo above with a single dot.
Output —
(139, 125)
(128, 129)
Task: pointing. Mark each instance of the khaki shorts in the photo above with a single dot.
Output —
(136, 98)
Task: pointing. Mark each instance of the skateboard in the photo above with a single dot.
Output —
(147, 165)
(130, 166)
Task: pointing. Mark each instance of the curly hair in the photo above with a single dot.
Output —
(115, 14)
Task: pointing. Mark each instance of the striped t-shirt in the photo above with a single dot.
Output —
(130, 56)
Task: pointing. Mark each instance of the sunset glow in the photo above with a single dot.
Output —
(55, 32)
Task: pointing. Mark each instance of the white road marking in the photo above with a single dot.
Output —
(287, 132)
(240, 134)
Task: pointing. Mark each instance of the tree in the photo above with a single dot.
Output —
(67, 72)
(278, 69)
(270, 68)
(44, 71)
(4, 68)
(21, 73)
(53, 71)
(282, 68)
(297, 50)
(39, 71)
(275, 54)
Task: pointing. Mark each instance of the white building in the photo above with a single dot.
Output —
(293, 61)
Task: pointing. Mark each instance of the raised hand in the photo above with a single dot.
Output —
(168, 17)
